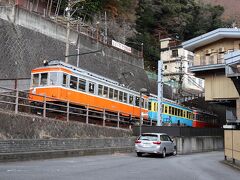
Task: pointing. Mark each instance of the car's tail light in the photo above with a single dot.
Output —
(157, 142)
(137, 142)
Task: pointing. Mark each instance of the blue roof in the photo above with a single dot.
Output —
(211, 37)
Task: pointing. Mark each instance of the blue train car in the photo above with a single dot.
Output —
(172, 113)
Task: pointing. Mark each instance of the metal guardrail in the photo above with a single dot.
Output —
(18, 101)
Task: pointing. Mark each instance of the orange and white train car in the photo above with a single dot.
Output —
(65, 82)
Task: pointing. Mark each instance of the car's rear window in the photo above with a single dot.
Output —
(148, 137)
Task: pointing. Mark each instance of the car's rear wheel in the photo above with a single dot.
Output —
(139, 154)
(164, 153)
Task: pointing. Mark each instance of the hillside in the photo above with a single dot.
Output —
(231, 8)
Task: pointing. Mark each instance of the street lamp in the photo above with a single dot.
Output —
(142, 91)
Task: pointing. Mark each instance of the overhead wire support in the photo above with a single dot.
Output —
(69, 15)
(160, 86)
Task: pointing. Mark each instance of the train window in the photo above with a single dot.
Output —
(115, 95)
(73, 82)
(142, 102)
(105, 91)
(131, 100)
(111, 93)
(146, 104)
(149, 106)
(91, 87)
(192, 115)
(170, 110)
(100, 90)
(44, 77)
(177, 112)
(35, 81)
(81, 84)
(64, 83)
(53, 78)
(181, 113)
(165, 109)
(120, 96)
(125, 97)
(137, 101)
(173, 110)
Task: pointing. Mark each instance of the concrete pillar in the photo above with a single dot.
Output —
(238, 108)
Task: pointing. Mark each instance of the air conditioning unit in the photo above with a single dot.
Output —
(208, 51)
(221, 50)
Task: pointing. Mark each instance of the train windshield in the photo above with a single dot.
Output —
(35, 80)
(53, 78)
(43, 79)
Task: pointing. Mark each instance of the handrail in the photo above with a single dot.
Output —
(17, 101)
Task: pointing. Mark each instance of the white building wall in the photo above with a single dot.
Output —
(172, 67)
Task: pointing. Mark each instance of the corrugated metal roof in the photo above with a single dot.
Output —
(210, 37)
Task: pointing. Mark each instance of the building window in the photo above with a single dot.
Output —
(175, 53)
(190, 57)
(165, 67)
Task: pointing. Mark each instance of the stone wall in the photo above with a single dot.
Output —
(37, 145)
(23, 126)
(26, 149)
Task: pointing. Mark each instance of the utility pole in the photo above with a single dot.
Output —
(68, 11)
(105, 28)
(181, 76)
(160, 86)
(68, 31)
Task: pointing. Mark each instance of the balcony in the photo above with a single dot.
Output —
(208, 62)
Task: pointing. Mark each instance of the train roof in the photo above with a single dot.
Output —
(86, 73)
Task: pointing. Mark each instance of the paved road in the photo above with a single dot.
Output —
(204, 166)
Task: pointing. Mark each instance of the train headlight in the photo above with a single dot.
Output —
(45, 62)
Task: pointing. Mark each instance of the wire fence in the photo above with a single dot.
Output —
(48, 107)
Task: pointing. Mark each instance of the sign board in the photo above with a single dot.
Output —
(121, 46)
(229, 127)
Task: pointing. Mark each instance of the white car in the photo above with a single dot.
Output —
(155, 143)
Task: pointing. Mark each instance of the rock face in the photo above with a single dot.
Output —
(231, 8)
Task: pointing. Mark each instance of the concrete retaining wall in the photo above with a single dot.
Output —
(27, 39)
(187, 145)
